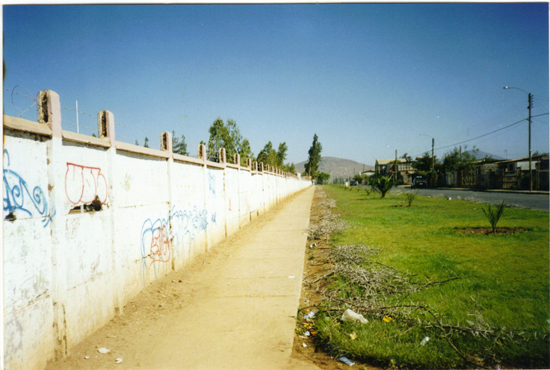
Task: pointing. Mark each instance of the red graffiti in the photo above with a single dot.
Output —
(83, 184)
(160, 245)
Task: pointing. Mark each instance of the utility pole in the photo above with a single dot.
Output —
(77, 117)
(530, 99)
(396, 168)
(433, 157)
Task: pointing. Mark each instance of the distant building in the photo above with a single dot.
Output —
(386, 167)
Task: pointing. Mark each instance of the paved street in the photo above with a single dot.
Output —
(536, 200)
(518, 199)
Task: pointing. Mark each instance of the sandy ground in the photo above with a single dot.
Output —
(234, 307)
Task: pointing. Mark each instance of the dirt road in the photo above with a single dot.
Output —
(232, 308)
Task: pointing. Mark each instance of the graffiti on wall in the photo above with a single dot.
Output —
(187, 224)
(155, 242)
(84, 184)
(212, 182)
(18, 196)
(158, 237)
(190, 223)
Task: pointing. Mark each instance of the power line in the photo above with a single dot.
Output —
(489, 133)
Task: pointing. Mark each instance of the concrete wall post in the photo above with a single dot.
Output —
(202, 156)
(166, 146)
(49, 113)
(106, 129)
(223, 160)
(237, 161)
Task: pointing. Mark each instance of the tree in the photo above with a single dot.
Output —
(361, 179)
(290, 167)
(424, 163)
(227, 136)
(178, 145)
(322, 178)
(312, 164)
(245, 151)
(268, 155)
(281, 154)
(219, 138)
(234, 141)
(136, 143)
(146, 142)
(456, 160)
(406, 157)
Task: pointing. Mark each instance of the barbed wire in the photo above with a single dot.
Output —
(133, 128)
(126, 137)
(78, 111)
(79, 125)
(26, 96)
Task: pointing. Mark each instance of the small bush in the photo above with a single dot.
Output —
(409, 197)
(381, 183)
(494, 214)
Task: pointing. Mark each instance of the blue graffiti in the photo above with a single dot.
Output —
(190, 222)
(160, 238)
(212, 182)
(15, 199)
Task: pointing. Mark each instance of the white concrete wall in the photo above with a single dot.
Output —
(68, 271)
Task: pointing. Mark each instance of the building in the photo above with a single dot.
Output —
(386, 167)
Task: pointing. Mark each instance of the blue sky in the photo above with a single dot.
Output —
(366, 78)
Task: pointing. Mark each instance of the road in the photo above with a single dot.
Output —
(517, 199)
(539, 201)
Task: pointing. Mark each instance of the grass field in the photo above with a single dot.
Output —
(493, 307)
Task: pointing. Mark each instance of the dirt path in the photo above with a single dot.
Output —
(232, 308)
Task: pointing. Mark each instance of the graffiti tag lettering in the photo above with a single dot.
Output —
(15, 198)
(155, 243)
(83, 184)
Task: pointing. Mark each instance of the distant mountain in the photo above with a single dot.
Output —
(337, 167)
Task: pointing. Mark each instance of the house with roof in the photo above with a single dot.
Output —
(387, 167)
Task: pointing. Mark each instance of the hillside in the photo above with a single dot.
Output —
(337, 167)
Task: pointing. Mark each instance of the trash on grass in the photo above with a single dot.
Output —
(309, 315)
(304, 345)
(118, 360)
(353, 336)
(307, 333)
(87, 357)
(350, 315)
(103, 350)
(346, 361)
(424, 341)
(387, 318)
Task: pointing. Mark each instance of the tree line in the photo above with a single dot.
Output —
(227, 135)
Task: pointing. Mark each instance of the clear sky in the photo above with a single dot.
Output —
(367, 78)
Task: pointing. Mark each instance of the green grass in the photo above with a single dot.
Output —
(506, 280)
